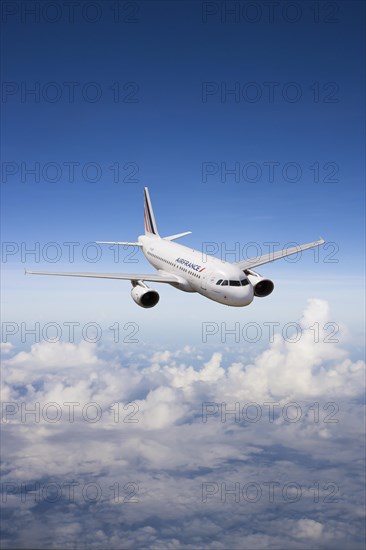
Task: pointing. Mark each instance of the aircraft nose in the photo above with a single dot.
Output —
(244, 297)
(248, 295)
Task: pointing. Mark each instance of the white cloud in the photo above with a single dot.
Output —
(308, 529)
(170, 452)
(6, 347)
(56, 355)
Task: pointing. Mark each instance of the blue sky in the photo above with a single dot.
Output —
(299, 165)
(175, 96)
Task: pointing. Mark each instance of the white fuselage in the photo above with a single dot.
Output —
(197, 272)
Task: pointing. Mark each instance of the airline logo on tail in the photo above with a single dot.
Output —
(150, 223)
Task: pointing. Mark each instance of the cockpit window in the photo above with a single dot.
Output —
(241, 282)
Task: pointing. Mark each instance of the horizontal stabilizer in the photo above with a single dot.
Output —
(118, 242)
(177, 236)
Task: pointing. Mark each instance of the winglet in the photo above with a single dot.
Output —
(322, 241)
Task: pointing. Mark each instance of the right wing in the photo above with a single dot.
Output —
(266, 258)
(124, 276)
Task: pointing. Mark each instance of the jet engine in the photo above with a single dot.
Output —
(262, 287)
(144, 296)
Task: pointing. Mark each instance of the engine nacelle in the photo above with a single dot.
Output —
(262, 287)
(144, 296)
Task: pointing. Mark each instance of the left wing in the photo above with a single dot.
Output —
(266, 258)
(124, 276)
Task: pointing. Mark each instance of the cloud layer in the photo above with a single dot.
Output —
(184, 448)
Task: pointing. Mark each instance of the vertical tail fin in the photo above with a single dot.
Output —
(149, 218)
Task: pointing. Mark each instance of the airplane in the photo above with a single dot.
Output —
(232, 284)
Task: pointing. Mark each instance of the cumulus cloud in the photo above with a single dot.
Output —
(56, 355)
(309, 364)
(6, 347)
(308, 529)
(185, 448)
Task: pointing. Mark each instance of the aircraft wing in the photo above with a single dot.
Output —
(266, 258)
(154, 278)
